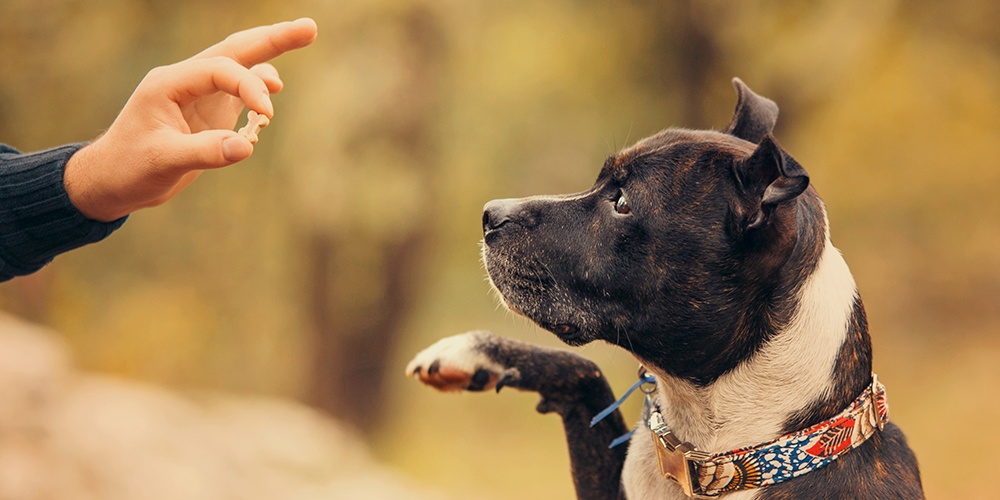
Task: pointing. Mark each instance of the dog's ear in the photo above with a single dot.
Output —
(768, 178)
(754, 116)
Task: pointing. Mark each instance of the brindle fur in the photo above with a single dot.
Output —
(705, 269)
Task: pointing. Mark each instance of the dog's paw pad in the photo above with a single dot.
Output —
(456, 364)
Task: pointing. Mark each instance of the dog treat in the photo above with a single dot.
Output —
(255, 122)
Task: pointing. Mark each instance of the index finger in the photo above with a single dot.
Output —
(263, 43)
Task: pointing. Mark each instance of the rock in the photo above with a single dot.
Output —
(73, 435)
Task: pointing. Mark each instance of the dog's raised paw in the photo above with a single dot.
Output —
(458, 364)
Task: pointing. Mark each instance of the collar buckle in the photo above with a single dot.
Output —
(675, 456)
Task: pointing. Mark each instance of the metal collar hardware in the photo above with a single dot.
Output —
(674, 456)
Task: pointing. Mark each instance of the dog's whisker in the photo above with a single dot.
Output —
(628, 338)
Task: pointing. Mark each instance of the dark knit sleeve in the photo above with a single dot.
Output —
(37, 219)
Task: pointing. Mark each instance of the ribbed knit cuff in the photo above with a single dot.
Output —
(37, 219)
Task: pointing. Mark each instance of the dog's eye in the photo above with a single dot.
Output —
(621, 206)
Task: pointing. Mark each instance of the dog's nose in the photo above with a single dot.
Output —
(495, 214)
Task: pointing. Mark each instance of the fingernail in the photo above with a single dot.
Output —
(236, 149)
(268, 104)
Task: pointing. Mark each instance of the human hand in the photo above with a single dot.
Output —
(179, 121)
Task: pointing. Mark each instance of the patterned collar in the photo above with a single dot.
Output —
(707, 475)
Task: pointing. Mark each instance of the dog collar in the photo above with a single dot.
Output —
(706, 475)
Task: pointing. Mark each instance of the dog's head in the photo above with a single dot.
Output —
(685, 251)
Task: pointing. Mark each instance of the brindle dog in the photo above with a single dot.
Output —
(707, 256)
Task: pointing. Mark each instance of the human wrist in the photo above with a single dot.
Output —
(80, 179)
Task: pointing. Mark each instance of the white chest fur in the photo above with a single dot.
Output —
(750, 404)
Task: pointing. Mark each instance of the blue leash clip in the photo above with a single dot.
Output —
(644, 378)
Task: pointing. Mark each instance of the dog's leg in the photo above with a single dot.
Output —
(570, 385)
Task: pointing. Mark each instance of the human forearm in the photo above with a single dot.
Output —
(37, 219)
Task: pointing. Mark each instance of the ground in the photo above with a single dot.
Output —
(65, 433)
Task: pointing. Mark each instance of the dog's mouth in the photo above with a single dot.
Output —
(566, 332)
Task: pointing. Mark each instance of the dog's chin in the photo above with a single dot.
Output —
(566, 330)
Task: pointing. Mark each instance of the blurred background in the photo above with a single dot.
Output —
(349, 241)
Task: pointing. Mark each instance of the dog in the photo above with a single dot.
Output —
(707, 256)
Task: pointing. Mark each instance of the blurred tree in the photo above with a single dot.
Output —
(684, 42)
(363, 235)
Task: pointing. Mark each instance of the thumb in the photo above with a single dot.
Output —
(212, 149)
(236, 148)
